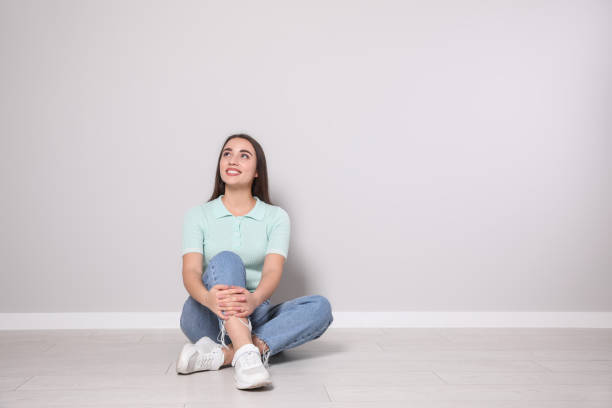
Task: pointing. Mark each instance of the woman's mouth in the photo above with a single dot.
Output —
(232, 172)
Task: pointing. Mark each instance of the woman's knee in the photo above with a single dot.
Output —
(228, 258)
(227, 268)
(185, 328)
(323, 313)
(188, 319)
(323, 309)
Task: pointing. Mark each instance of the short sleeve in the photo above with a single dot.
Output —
(193, 231)
(278, 240)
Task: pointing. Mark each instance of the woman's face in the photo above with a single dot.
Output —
(238, 153)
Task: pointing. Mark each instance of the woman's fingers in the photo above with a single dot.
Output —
(232, 299)
(232, 307)
(229, 292)
(234, 288)
(231, 304)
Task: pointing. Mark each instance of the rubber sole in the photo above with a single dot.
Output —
(258, 384)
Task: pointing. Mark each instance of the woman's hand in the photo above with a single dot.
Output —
(215, 294)
(237, 301)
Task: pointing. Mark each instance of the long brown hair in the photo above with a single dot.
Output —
(259, 187)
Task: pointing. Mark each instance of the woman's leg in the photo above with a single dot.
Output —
(292, 323)
(198, 321)
(227, 268)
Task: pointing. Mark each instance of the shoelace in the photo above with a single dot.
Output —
(266, 356)
(221, 335)
(204, 360)
(250, 359)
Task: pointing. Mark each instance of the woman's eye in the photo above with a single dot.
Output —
(243, 154)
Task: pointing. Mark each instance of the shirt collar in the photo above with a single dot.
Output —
(257, 212)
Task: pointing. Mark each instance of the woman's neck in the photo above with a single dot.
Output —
(238, 202)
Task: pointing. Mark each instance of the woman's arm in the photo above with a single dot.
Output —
(192, 277)
(270, 277)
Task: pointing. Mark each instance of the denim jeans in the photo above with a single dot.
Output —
(282, 326)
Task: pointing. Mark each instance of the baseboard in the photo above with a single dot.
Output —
(170, 320)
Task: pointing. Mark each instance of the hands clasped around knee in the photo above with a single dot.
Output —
(228, 300)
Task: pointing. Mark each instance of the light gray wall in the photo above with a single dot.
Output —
(433, 155)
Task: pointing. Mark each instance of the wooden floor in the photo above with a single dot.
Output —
(454, 367)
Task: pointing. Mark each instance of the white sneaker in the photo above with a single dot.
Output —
(205, 354)
(249, 371)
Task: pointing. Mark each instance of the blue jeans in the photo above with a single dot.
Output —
(283, 326)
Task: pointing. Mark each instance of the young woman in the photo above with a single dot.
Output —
(234, 249)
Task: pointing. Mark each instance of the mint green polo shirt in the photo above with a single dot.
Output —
(210, 228)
